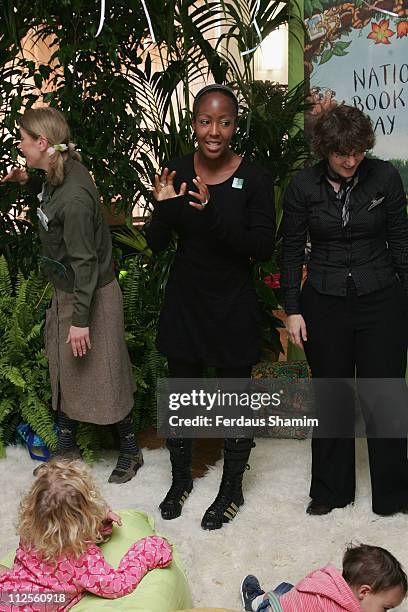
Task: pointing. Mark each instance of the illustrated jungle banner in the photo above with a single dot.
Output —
(357, 52)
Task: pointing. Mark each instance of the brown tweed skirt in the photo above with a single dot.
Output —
(97, 388)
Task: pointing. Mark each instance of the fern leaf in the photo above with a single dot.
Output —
(39, 417)
(12, 374)
(6, 407)
(5, 280)
(8, 428)
(88, 441)
(35, 331)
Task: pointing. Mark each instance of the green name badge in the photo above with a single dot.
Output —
(237, 183)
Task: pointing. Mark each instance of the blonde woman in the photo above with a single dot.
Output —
(90, 370)
(62, 519)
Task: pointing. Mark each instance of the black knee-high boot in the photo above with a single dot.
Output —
(181, 458)
(230, 497)
(130, 456)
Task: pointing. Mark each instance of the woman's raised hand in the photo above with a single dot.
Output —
(16, 175)
(164, 188)
(203, 195)
(296, 328)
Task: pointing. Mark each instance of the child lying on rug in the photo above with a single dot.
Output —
(61, 521)
(372, 581)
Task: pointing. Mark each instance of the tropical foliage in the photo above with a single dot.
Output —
(143, 287)
(127, 98)
(24, 382)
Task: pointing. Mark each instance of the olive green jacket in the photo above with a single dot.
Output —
(75, 238)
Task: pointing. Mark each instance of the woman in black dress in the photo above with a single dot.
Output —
(222, 208)
(351, 315)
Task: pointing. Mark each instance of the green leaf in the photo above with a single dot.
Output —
(12, 374)
(5, 280)
(6, 406)
(343, 44)
(308, 8)
(339, 52)
(44, 70)
(35, 332)
(326, 56)
(38, 80)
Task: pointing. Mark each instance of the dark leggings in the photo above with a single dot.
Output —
(181, 369)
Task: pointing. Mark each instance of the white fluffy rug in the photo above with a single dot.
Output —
(271, 537)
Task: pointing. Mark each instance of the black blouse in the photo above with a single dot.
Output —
(372, 248)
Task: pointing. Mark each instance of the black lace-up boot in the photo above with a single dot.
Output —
(182, 485)
(230, 497)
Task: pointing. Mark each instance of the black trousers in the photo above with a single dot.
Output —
(364, 336)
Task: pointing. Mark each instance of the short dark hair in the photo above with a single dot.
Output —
(373, 565)
(215, 88)
(342, 129)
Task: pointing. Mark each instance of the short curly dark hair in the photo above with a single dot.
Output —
(342, 129)
(375, 566)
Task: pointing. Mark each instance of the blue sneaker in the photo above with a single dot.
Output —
(250, 588)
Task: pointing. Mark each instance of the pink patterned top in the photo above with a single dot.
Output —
(70, 578)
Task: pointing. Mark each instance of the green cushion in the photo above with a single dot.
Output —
(161, 590)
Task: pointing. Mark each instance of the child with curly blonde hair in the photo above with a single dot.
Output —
(61, 520)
